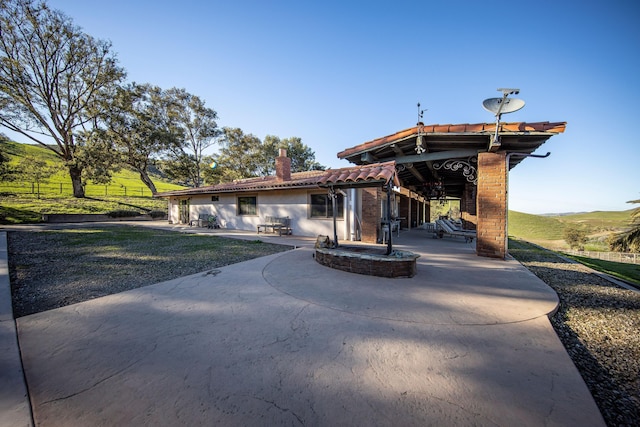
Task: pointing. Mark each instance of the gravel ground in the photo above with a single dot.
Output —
(598, 322)
(51, 269)
(599, 325)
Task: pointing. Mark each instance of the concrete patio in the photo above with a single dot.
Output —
(282, 340)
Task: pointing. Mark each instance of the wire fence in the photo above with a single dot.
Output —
(629, 258)
(62, 189)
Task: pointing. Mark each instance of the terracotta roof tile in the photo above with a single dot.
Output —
(548, 127)
(359, 174)
(310, 179)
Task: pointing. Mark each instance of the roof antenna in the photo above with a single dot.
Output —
(419, 143)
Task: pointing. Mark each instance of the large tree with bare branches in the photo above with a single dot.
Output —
(53, 77)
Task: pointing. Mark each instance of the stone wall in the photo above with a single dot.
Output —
(371, 265)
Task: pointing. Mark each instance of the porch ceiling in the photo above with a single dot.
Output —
(450, 151)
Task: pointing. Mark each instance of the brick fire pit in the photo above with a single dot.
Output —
(371, 261)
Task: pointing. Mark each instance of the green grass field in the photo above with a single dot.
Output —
(548, 231)
(26, 202)
(627, 272)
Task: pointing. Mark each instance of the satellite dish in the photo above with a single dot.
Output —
(502, 106)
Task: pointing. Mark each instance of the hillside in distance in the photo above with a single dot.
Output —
(16, 152)
(548, 231)
(24, 201)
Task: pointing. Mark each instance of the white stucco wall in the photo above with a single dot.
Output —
(283, 203)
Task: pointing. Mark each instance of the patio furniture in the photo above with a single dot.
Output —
(205, 220)
(281, 224)
(450, 228)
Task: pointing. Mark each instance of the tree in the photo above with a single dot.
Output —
(137, 125)
(199, 130)
(575, 237)
(245, 156)
(53, 78)
(7, 173)
(240, 157)
(35, 170)
(628, 241)
(302, 157)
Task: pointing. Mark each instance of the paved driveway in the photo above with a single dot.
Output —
(282, 340)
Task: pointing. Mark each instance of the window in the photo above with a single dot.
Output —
(322, 206)
(248, 205)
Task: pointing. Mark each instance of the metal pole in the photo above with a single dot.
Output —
(333, 195)
(389, 244)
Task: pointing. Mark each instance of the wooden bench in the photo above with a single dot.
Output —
(282, 225)
(205, 220)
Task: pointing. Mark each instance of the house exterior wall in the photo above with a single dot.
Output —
(492, 205)
(404, 211)
(294, 204)
(172, 211)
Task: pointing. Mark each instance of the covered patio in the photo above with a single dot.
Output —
(469, 162)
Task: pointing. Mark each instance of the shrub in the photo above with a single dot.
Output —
(122, 213)
(157, 214)
(575, 237)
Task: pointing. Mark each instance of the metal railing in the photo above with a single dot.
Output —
(629, 258)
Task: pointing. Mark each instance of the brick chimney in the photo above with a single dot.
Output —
(283, 166)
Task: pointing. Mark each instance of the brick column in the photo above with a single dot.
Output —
(468, 206)
(492, 205)
(370, 214)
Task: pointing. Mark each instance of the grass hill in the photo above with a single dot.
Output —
(24, 201)
(548, 231)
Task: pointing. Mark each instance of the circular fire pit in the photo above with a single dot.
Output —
(371, 261)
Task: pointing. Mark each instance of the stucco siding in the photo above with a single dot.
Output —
(291, 203)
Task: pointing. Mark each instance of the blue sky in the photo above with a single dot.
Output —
(339, 73)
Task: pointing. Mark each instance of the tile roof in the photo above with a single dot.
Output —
(362, 174)
(373, 174)
(478, 128)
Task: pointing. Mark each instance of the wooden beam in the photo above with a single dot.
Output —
(430, 157)
(411, 168)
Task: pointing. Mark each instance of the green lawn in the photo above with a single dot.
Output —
(26, 202)
(627, 272)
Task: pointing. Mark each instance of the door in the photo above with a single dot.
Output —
(184, 211)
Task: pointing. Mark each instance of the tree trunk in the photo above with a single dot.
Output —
(144, 176)
(76, 181)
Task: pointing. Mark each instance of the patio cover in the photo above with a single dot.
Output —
(450, 151)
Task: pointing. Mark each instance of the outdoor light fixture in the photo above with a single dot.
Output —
(435, 190)
(419, 140)
(500, 106)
